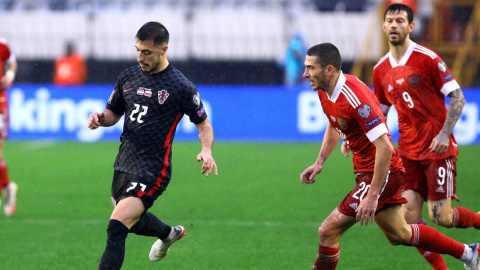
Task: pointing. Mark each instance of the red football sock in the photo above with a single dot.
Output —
(434, 259)
(4, 181)
(464, 218)
(327, 258)
(428, 238)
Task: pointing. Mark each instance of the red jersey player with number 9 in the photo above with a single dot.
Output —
(416, 81)
(355, 115)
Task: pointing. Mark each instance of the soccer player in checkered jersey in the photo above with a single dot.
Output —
(416, 81)
(153, 96)
(8, 69)
(355, 115)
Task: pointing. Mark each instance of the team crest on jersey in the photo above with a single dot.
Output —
(364, 111)
(342, 122)
(162, 96)
(414, 80)
(442, 66)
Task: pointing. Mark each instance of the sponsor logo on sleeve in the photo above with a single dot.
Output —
(442, 66)
(111, 97)
(372, 122)
(196, 100)
(201, 111)
(364, 111)
(414, 80)
(162, 96)
(447, 77)
(342, 122)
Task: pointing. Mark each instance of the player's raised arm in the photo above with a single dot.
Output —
(441, 141)
(330, 140)
(205, 135)
(106, 118)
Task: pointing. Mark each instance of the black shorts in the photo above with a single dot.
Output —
(126, 185)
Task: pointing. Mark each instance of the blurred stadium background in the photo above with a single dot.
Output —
(254, 215)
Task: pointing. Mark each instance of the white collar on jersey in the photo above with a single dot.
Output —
(338, 88)
(405, 57)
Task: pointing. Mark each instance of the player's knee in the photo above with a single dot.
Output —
(325, 234)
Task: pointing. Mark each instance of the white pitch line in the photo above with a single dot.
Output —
(231, 223)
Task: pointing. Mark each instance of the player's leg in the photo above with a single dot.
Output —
(127, 212)
(414, 186)
(332, 229)
(9, 187)
(398, 232)
(441, 188)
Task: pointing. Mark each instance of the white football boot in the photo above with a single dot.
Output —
(160, 248)
(474, 263)
(10, 206)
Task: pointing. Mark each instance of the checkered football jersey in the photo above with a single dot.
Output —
(417, 87)
(153, 105)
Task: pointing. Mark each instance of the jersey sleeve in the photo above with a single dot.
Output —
(116, 102)
(369, 116)
(380, 92)
(192, 105)
(4, 50)
(443, 77)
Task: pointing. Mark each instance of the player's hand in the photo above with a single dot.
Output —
(367, 209)
(308, 175)
(5, 82)
(208, 163)
(96, 119)
(440, 143)
(345, 149)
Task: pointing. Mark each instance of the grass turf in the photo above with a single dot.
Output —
(254, 215)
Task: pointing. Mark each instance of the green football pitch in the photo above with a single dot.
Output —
(254, 215)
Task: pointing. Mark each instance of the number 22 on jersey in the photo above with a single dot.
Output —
(138, 118)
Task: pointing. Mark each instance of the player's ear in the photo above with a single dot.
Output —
(410, 27)
(164, 49)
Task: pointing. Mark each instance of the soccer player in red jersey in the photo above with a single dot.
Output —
(355, 115)
(8, 69)
(416, 80)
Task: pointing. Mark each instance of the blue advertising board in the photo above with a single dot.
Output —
(237, 113)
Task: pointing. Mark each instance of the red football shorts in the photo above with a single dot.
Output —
(434, 180)
(390, 193)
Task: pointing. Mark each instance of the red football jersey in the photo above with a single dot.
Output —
(356, 114)
(417, 86)
(4, 56)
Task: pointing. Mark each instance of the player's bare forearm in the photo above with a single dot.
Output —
(106, 118)
(383, 156)
(205, 135)
(455, 108)
(110, 118)
(330, 140)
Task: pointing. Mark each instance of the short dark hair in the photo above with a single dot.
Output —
(396, 8)
(327, 54)
(153, 31)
